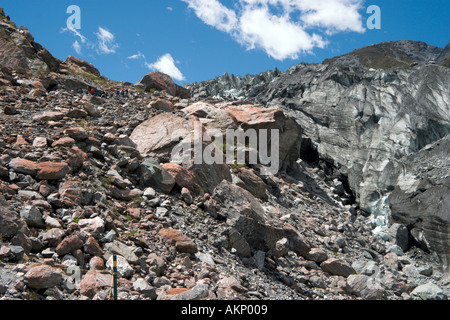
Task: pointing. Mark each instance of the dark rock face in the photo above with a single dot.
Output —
(19, 51)
(421, 198)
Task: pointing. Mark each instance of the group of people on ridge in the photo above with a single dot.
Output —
(103, 94)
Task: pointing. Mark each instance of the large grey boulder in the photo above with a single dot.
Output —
(428, 291)
(152, 174)
(252, 227)
(10, 222)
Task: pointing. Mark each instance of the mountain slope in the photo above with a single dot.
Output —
(390, 54)
(84, 178)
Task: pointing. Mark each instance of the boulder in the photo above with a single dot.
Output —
(52, 170)
(162, 82)
(172, 138)
(94, 281)
(10, 222)
(68, 245)
(317, 255)
(199, 292)
(77, 133)
(121, 249)
(49, 116)
(152, 174)
(337, 267)
(162, 105)
(43, 277)
(80, 65)
(257, 118)
(71, 192)
(23, 166)
(32, 216)
(183, 178)
(182, 242)
(254, 184)
(215, 119)
(124, 269)
(63, 142)
(399, 235)
(428, 291)
(144, 288)
(365, 287)
(157, 136)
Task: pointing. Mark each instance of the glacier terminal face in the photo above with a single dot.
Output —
(367, 124)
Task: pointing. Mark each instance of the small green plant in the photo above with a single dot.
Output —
(138, 201)
(33, 295)
(126, 216)
(130, 233)
(42, 72)
(106, 181)
(4, 35)
(21, 70)
(140, 89)
(76, 220)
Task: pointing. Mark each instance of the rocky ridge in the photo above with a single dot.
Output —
(79, 183)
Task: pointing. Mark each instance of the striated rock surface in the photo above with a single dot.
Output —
(362, 125)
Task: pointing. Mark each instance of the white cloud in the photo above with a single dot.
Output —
(332, 15)
(77, 46)
(76, 33)
(137, 56)
(278, 36)
(282, 28)
(106, 41)
(166, 64)
(213, 13)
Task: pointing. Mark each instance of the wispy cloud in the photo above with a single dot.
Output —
(106, 41)
(104, 44)
(166, 64)
(76, 33)
(137, 56)
(77, 46)
(282, 28)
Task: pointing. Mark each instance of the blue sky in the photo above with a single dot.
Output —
(196, 40)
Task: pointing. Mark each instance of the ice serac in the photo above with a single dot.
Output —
(359, 122)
